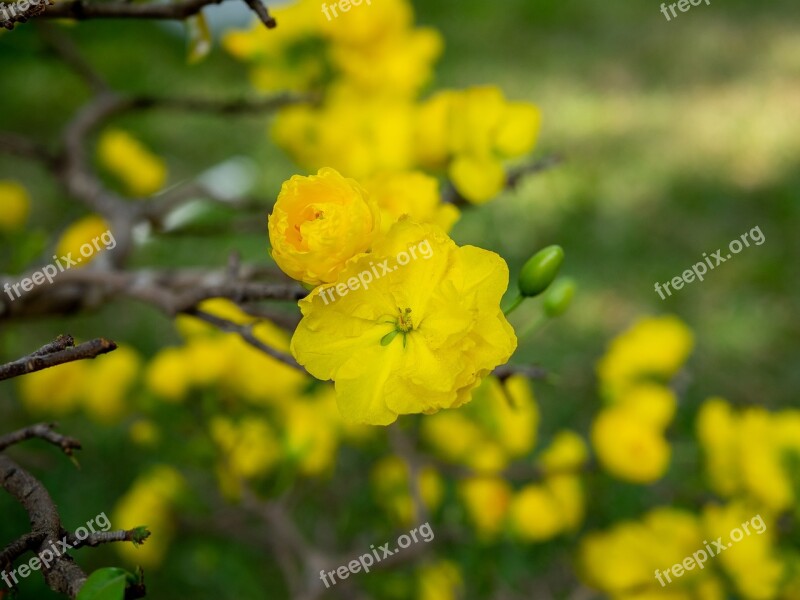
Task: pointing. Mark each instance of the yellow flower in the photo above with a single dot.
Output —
(55, 391)
(142, 172)
(452, 435)
(84, 240)
(319, 223)
(310, 436)
(144, 433)
(168, 374)
(629, 448)
(535, 515)
(570, 499)
(421, 335)
(368, 24)
(651, 402)
(411, 193)
(477, 179)
(15, 205)
(439, 581)
(566, 453)
(110, 380)
(486, 500)
(652, 347)
(150, 502)
(752, 562)
(624, 559)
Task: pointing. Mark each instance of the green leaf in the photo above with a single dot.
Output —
(199, 38)
(105, 584)
(387, 339)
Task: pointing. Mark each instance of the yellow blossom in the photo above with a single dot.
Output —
(487, 501)
(439, 581)
(84, 240)
(411, 193)
(654, 347)
(55, 391)
(534, 514)
(110, 380)
(629, 448)
(149, 502)
(319, 223)
(419, 338)
(391, 482)
(142, 172)
(15, 205)
(566, 453)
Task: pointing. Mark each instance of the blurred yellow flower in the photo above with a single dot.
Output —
(15, 205)
(55, 391)
(168, 374)
(86, 234)
(319, 223)
(486, 499)
(144, 432)
(444, 310)
(249, 448)
(534, 514)
(628, 447)
(566, 453)
(441, 580)
(150, 502)
(652, 347)
(411, 193)
(142, 172)
(109, 383)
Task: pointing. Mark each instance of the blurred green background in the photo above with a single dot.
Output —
(677, 137)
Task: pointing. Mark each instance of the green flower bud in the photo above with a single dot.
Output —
(559, 297)
(540, 270)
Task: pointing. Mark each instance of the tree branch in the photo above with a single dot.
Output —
(42, 431)
(38, 361)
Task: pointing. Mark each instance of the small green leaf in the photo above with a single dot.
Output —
(105, 584)
(387, 339)
(199, 38)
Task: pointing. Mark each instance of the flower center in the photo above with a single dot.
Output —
(402, 325)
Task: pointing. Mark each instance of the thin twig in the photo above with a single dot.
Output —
(42, 431)
(34, 362)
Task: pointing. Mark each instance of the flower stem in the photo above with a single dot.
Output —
(517, 301)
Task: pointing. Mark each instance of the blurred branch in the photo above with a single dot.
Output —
(81, 11)
(530, 371)
(54, 354)
(21, 16)
(65, 48)
(246, 333)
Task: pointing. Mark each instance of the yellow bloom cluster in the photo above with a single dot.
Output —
(626, 561)
(100, 387)
(300, 429)
(628, 435)
(470, 132)
(375, 50)
(150, 502)
(140, 171)
(15, 205)
(372, 64)
(752, 453)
